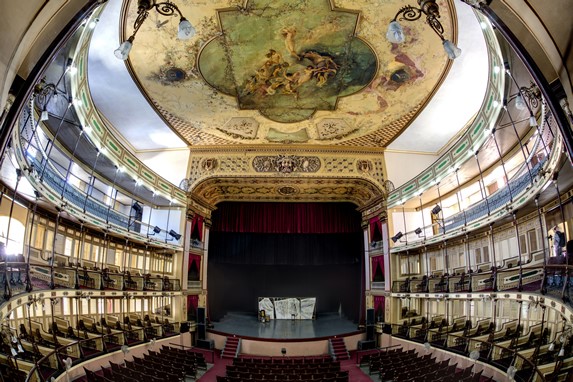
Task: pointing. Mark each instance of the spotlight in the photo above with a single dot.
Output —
(137, 207)
(436, 210)
(397, 237)
(175, 235)
(418, 231)
(156, 230)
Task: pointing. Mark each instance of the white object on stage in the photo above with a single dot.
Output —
(288, 308)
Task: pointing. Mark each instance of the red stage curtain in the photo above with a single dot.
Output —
(197, 227)
(377, 266)
(375, 229)
(379, 307)
(289, 218)
(192, 302)
(195, 259)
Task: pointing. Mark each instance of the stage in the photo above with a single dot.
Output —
(246, 325)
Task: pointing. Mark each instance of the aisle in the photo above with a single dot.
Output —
(218, 368)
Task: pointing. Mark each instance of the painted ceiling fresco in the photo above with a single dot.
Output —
(302, 71)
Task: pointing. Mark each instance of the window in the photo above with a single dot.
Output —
(485, 254)
(69, 245)
(522, 244)
(49, 242)
(87, 250)
(477, 253)
(38, 236)
(533, 242)
(461, 259)
(409, 265)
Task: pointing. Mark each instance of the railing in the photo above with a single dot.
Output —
(522, 188)
(553, 277)
(20, 277)
(51, 175)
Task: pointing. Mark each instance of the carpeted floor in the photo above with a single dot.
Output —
(355, 374)
(218, 368)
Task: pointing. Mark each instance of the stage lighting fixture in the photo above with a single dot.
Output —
(397, 237)
(174, 235)
(418, 231)
(137, 207)
(436, 210)
(156, 230)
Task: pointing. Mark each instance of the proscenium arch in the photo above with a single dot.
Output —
(361, 192)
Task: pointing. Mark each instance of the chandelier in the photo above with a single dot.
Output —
(167, 8)
(430, 9)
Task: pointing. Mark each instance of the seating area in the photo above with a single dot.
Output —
(408, 366)
(320, 368)
(170, 364)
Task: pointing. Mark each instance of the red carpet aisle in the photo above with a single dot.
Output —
(219, 368)
(354, 372)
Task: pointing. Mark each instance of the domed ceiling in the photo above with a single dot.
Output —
(307, 71)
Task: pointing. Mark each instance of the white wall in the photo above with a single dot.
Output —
(170, 164)
(401, 167)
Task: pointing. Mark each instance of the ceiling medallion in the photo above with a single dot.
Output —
(287, 60)
(286, 164)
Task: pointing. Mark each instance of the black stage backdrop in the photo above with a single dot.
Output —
(247, 262)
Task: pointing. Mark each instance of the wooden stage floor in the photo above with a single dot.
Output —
(247, 325)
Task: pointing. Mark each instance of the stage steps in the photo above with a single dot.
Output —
(338, 349)
(231, 349)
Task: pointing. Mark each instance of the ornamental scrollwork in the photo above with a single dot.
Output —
(286, 164)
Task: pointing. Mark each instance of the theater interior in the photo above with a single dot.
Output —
(286, 190)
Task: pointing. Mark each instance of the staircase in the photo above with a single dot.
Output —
(338, 349)
(231, 349)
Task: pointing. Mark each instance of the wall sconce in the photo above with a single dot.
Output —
(167, 8)
(397, 237)
(431, 10)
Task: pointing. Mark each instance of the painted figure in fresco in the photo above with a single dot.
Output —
(288, 34)
(278, 76)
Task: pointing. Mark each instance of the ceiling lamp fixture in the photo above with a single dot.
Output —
(167, 8)
(395, 33)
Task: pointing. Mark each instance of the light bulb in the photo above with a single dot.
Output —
(44, 116)
(186, 30)
(532, 121)
(551, 346)
(395, 33)
(561, 352)
(451, 49)
(520, 103)
(123, 51)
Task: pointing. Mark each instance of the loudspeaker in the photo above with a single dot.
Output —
(369, 316)
(201, 331)
(370, 333)
(206, 344)
(387, 329)
(366, 345)
(201, 316)
(184, 328)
